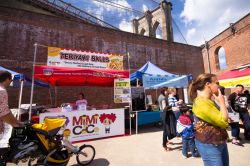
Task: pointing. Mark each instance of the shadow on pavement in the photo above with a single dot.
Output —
(98, 162)
(148, 128)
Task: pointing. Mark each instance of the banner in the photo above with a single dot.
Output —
(84, 59)
(122, 92)
(149, 81)
(84, 125)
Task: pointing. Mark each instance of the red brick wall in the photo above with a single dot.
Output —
(20, 29)
(236, 46)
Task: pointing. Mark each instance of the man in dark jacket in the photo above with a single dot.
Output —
(240, 102)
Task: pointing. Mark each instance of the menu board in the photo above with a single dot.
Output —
(122, 93)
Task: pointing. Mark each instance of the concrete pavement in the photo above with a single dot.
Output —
(145, 149)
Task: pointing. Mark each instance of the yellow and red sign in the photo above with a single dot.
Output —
(83, 59)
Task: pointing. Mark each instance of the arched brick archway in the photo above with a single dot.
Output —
(160, 16)
(216, 58)
(220, 58)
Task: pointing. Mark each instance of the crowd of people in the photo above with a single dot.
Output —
(203, 127)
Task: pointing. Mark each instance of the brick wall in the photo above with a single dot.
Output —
(236, 46)
(20, 29)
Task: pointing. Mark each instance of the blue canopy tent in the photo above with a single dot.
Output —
(154, 77)
(149, 69)
(18, 77)
(19, 81)
(15, 76)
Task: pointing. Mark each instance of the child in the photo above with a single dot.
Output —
(185, 128)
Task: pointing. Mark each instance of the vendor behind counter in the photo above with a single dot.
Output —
(81, 102)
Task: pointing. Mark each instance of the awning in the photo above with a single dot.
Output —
(237, 76)
(64, 76)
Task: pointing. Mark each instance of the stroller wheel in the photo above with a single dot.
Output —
(85, 155)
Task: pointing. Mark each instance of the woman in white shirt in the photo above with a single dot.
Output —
(81, 103)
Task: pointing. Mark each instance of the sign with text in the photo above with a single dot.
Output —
(122, 92)
(149, 80)
(84, 59)
(84, 125)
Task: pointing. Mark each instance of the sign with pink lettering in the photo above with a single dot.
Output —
(84, 125)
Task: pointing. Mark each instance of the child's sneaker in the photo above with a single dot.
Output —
(195, 156)
(185, 157)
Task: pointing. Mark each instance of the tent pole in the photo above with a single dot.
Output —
(56, 96)
(185, 95)
(50, 96)
(32, 84)
(20, 99)
(156, 94)
(130, 103)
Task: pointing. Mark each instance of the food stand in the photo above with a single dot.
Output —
(84, 69)
(153, 77)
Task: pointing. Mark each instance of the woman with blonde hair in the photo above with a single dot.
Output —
(172, 101)
(210, 135)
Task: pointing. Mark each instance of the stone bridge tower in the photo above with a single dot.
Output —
(161, 16)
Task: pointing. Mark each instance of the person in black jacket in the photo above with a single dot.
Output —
(240, 102)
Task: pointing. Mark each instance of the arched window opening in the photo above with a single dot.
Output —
(221, 58)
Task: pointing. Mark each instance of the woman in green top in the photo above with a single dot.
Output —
(210, 134)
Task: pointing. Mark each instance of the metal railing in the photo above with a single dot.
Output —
(72, 11)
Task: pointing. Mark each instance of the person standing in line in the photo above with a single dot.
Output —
(162, 98)
(172, 101)
(210, 131)
(186, 131)
(240, 102)
(234, 124)
(6, 115)
(246, 92)
(168, 121)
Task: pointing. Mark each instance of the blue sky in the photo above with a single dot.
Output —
(198, 20)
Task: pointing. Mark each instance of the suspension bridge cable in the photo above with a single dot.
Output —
(119, 6)
(179, 30)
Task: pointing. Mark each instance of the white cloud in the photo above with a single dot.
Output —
(126, 26)
(144, 8)
(190, 33)
(210, 17)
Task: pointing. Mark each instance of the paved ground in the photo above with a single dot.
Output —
(145, 149)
